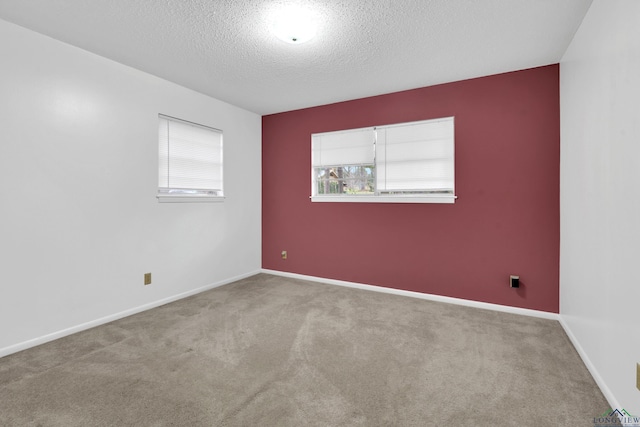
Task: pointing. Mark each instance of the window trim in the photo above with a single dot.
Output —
(181, 198)
(398, 198)
(378, 197)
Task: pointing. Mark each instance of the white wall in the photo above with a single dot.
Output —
(600, 196)
(79, 220)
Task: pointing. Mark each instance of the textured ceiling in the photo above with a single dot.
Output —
(223, 48)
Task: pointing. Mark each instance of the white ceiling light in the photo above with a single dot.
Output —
(294, 24)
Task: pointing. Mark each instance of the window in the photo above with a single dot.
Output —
(406, 162)
(189, 162)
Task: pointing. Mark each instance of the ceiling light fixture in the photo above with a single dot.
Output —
(294, 24)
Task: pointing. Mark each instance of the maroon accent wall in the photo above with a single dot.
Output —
(505, 221)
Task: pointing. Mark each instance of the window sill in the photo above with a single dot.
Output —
(386, 199)
(181, 198)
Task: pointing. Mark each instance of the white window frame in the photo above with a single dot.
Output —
(171, 194)
(380, 196)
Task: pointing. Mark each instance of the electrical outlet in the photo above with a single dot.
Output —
(638, 375)
(514, 281)
(147, 278)
(284, 254)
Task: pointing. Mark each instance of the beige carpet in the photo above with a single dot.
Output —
(272, 351)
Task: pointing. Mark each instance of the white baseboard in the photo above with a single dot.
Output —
(101, 321)
(430, 297)
(613, 402)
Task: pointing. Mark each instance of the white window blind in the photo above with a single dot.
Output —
(416, 157)
(351, 147)
(343, 162)
(405, 162)
(190, 159)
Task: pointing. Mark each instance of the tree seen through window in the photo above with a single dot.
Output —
(352, 179)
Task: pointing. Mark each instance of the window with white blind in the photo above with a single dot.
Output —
(189, 161)
(407, 162)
